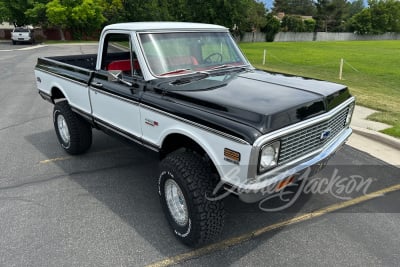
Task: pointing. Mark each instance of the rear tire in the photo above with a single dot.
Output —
(184, 184)
(73, 132)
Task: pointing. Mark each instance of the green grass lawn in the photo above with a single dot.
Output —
(371, 70)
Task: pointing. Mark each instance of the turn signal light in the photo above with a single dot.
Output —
(231, 155)
(282, 184)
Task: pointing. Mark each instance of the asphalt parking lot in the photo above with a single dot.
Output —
(102, 208)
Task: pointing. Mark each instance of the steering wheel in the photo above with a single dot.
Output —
(215, 57)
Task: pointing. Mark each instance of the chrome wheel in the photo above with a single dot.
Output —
(63, 129)
(176, 202)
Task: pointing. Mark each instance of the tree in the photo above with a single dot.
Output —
(255, 17)
(82, 17)
(356, 7)
(15, 11)
(394, 20)
(281, 6)
(58, 16)
(294, 7)
(179, 10)
(4, 13)
(271, 28)
(224, 12)
(332, 14)
(292, 24)
(361, 22)
(113, 10)
(385, 15)
(87, 18)
(23, 12)
(309, 25)
(37, 14)
(149, 10)
(380, 17)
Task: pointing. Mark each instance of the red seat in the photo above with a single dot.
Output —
(123, 65)
(136, 65)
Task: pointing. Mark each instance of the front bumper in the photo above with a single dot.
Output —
(22, 39)
(257, 190)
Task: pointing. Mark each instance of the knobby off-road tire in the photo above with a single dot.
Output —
(184, 184)
(73, 132)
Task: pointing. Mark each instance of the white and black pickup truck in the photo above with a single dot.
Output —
(220, 126)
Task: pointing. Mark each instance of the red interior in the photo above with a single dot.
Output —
(123, 65)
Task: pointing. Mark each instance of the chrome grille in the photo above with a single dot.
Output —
(306, 140)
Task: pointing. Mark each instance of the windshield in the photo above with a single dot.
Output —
(21, 30)
(186, 52)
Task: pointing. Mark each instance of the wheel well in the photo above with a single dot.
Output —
(174, 142)
(56, 94)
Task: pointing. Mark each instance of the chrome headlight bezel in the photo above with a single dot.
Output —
(268, 156)
(349, 114)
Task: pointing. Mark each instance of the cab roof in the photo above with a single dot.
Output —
(154, 26)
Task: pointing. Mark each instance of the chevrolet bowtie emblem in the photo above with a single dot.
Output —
(325, 134)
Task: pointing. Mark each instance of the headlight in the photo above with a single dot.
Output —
(349, 114)
(269, 156)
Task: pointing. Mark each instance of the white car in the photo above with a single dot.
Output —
(20, 34)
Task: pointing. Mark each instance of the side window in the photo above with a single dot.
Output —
(118, 55)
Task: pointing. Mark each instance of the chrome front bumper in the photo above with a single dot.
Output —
(256, 190)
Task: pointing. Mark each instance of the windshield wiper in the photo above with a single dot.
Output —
(196, 76)
(228, 67)
(172, 72)
(223, 66)
(222, 69)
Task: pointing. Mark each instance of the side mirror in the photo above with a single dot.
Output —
(116, 76)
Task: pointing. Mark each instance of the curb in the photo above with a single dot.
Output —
(377, 136)
(72, 44)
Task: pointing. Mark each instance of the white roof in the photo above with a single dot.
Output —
(148, 26)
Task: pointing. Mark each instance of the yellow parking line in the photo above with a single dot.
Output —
(70, 157)
(242, 238)
(53, 160)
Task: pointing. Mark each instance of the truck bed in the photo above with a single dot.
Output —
(83, 61)
(79, 68)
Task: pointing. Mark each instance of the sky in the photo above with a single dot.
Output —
(268, 3)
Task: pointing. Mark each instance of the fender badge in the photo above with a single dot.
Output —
(151, 122)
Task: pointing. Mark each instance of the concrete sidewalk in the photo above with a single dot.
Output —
(366, 137)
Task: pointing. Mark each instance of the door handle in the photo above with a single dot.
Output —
(97, 84)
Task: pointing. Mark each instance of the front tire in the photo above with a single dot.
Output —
(73, 132)
(184, 184)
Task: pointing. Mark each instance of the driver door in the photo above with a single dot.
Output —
(115, 102)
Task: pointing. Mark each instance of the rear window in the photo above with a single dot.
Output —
(21, 30)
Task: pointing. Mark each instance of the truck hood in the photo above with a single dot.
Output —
(261, 100)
